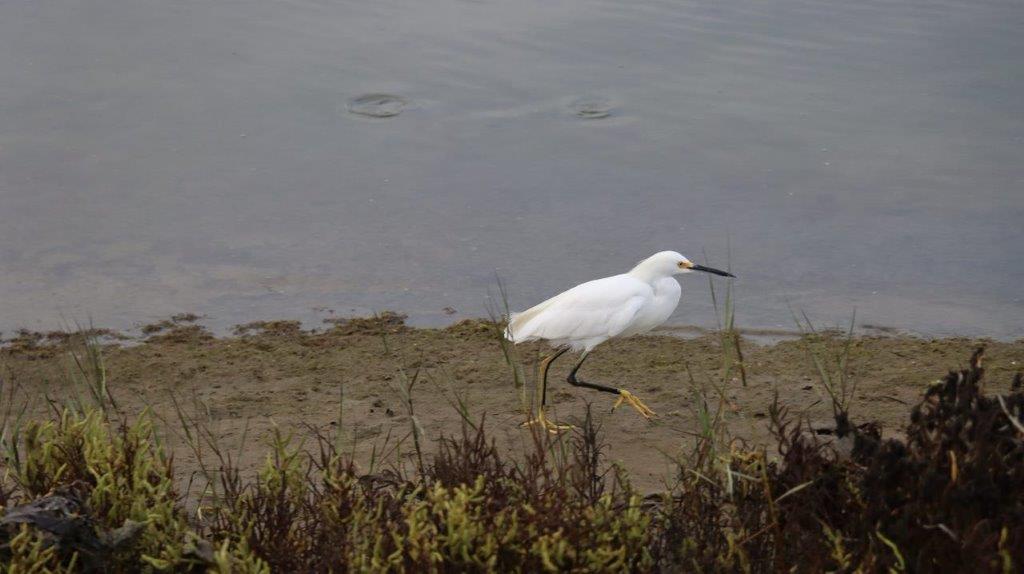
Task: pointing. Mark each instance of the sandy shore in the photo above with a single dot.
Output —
(275, 374)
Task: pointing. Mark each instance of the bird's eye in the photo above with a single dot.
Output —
(682, 264)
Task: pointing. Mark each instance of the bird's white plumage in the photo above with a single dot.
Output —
(585, 315)
(593, 312)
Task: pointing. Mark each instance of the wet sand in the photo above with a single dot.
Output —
(275, 374)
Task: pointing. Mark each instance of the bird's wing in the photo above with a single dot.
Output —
(599, 308)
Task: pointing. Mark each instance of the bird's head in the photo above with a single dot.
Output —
(668, 263)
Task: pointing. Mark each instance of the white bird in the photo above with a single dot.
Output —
(593, 312)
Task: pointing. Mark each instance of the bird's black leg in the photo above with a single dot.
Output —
(578, 383)
(544, 365)
(541, 419)
(624, 395)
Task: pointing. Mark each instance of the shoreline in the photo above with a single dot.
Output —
(271, 375)
(141, 332)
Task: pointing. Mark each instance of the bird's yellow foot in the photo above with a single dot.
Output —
(548, 425)
(632, 400)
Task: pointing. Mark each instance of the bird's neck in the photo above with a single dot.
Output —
(648, 271)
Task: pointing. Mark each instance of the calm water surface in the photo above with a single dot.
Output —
(254, 159)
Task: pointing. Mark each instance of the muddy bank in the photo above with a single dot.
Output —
(274, 374)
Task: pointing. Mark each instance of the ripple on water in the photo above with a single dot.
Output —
(592, 108)
(377, 105)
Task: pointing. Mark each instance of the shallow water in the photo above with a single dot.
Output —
(224, 157)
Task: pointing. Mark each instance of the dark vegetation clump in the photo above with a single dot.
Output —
(287, 328)
(37, 345)
(89, 492)
(180, 334)
(948, 497)
(168, 324)
(380, 323)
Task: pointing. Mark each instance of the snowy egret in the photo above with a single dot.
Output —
(593, 312)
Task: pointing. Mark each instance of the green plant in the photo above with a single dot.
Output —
(729, 335)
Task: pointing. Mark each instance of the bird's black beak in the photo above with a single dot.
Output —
(712, 270)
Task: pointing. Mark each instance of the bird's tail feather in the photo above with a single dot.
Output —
(518, 329)
(509, 329)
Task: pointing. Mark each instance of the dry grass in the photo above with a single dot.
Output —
(93, 489)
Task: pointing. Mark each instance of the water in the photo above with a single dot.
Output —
(224, 157)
